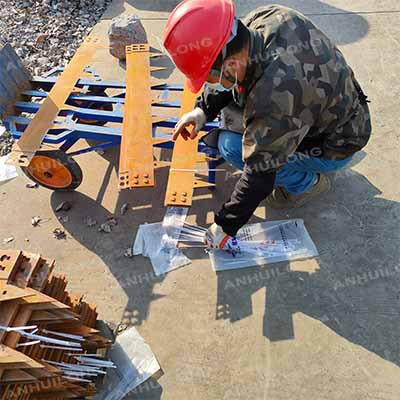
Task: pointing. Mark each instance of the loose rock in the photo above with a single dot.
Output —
(89, 221)
(128, 253)
(108, 225)
(64, 206)
(124, 208)
(35, 221)
(124, 31)
(59, 234)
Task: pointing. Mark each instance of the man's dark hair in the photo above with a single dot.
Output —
(238, 43)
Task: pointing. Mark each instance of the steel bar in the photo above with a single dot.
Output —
(136, 168)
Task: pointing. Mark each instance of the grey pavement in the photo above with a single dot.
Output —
(324, 329)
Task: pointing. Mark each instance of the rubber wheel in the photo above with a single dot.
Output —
(92, 106)
(54, 170)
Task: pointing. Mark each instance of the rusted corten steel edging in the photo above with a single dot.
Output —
(31, 140)
(182, 180)
(136, 165)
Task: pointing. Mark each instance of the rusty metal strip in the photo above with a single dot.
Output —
(184, 157)
(9, 262)
(136, 167)
(31, 140)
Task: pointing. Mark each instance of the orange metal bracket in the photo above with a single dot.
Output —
(136, 165)
(182, 180)
(31, 140)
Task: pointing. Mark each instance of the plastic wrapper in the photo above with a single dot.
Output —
(266, 243)
(159, 242)
(135, 364)
(7, 172)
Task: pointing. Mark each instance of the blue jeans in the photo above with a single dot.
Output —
(297, 176)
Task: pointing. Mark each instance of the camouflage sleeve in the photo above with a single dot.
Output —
(213, 103)
(276, 121)
(250, 190)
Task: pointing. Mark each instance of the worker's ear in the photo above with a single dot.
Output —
(232, 65)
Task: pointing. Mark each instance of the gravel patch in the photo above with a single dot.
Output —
(46, 33)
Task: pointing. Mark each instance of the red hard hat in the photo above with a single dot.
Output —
(196, 32)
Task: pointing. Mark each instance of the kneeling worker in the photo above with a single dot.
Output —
(291, 107)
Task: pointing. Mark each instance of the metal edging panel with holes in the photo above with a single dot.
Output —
(182, 181)
(32, 138)
(136, 165)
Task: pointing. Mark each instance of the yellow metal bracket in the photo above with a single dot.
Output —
(30, 142)
(182, 180)
(136, 165)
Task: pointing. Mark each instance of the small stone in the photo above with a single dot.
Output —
(124, 208)
(40, 39)
(8, 240)
(106, 228)
(64, 206)
(59, 234)
(112, 221)
(128, 253)
(63, 219)
(121, 328)
(26, 240)
(32, 185)
(35, 220)
(89, 221)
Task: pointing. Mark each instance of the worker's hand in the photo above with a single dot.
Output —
(197, 117)
(216, 238)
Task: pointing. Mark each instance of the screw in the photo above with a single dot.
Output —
(173, 193)
(146, 176)
(146, 181)
(136, 176)
(184, 194)
(173, 199)
(183, 200)
(136, 182)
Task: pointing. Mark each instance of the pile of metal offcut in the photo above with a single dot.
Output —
(48, 345)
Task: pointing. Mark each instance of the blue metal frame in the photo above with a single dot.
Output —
(72, 130)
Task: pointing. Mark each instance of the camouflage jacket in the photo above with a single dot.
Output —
(298, 94)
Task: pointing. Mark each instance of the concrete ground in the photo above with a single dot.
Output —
(272, 332)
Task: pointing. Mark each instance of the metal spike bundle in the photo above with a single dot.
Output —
(47, 336)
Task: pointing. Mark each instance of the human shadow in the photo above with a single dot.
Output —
(135, 275)
(355, 291)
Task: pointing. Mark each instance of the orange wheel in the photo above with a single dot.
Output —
(54, 170)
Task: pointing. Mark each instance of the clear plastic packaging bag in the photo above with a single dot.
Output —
(266, 243)
(7, 172)
(135, 364)
(159, 242)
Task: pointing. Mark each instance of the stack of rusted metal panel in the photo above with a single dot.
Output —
(48, 343)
